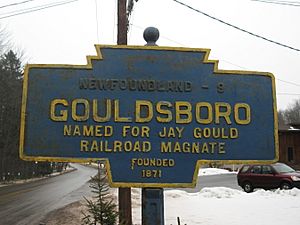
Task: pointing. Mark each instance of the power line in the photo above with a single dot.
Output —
(242, 67)
(114, 22)
(287, 3)
(164, 37)
(37, 8)
(288, 82)
(296, 94)
(14, 4)
(236, 27)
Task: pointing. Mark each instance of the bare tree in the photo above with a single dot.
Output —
(4, 40)
(281, 119)
(292, 113)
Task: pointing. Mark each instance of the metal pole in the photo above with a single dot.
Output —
(152, 198)
(125, 212)
(153, 206)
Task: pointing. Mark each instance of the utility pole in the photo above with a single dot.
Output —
(122, 22)
(125, 212)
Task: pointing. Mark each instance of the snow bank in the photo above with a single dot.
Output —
(214, 206)
(212, 171)
(226, 206)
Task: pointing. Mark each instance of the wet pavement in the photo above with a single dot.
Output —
(28, 203)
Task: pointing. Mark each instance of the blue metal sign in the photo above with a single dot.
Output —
(154, 113)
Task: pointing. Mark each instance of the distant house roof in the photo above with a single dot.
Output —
(283, 127)
(295, 125)
(295, 131)
(286, 127)
(289, 128)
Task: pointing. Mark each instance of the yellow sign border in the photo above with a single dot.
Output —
(140, 185)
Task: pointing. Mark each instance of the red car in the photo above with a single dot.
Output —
(277, 175)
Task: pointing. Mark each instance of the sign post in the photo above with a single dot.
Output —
(155, 114)
(152, 198)
(153, 206)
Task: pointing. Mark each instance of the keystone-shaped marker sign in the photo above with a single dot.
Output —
(154, 114)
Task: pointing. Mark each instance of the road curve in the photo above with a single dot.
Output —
(27, 204)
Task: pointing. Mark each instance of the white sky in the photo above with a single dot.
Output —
(66, 34)
(226, 206)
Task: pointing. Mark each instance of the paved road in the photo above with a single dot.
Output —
(27, 204)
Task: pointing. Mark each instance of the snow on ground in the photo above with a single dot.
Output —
(212, 171)
(22, 181)
(225, 206)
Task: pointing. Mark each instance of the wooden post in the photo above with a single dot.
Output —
(122, 23)
(125, 212)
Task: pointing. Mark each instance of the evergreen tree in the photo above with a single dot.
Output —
(101, 209)
(11, 63)
(10, 105)
(11, 79)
